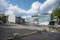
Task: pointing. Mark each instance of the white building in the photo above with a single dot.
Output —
(11, 18)
(42, 19)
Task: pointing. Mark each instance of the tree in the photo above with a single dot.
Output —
(55, 16)
(56, 13)
(3, 18)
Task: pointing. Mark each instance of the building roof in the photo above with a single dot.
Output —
(41, 15)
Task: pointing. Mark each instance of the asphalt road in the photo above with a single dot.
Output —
(7, 32)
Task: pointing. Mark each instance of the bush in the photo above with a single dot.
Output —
(3, 18)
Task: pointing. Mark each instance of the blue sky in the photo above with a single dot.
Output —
(24, 4)
(27, 7)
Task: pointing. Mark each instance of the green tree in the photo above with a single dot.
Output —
(55, 16)
(3, 18)
(56, 12)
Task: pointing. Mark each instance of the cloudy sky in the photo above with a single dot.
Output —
(27, 7)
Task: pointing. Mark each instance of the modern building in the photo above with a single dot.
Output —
(42, 19)
(20, 20)
(11, 18)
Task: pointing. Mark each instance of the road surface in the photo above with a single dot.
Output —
(7, 32)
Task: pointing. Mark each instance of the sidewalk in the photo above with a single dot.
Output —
(24, 27)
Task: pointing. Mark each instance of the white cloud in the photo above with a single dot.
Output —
(28, 16)
(12, 9)
(50, 11)
(3, 3)
(34, 7)
(49, 5)
(3, 6)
